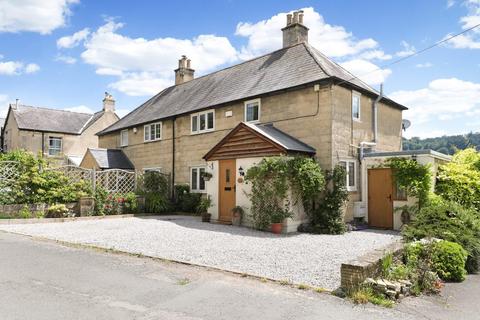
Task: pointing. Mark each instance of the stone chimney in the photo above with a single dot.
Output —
(184, 72)
(108, 103)
(295, 32)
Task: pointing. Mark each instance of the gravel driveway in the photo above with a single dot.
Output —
(298, 258)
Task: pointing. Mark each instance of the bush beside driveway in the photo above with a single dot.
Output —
(299, 258)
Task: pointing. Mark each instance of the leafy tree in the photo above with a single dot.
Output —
(459, 180)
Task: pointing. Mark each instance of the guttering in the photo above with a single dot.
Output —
(375, 114)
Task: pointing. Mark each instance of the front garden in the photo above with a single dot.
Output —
(443, 237)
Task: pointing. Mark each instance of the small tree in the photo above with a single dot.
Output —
(459, 180)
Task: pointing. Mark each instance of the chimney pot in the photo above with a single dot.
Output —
(108, 103)
(184, 72)
(289, 19)
(295, 32)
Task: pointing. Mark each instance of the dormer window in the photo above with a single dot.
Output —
(252, 110)
(202, 121)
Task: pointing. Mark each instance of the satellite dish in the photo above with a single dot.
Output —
(406, 124)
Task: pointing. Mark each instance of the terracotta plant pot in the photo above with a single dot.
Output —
(276, 228)
(206, 217)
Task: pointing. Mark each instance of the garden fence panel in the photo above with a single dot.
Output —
(9, 171)
(116, 180)
(75, 174)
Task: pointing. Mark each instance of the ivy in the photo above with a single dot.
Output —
(414, 178)
(273, 178)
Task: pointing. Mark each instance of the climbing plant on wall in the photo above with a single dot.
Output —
(413, 177)
(274, 177)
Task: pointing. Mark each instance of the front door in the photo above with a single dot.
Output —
(227, 189)
(380, 201)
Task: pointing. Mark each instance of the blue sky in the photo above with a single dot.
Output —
(65, 53)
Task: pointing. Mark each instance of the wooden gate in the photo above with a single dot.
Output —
(380, 198)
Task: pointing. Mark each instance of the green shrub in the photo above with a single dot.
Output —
(25, 213)
(100, 197)
(448, 221)
(157, 203)
(57, 211)
(420, 269)
(35, 183)
(328, 216)
(130, 202)
(449, 261)
(459, 180)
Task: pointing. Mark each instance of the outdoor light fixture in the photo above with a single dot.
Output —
(241, 172)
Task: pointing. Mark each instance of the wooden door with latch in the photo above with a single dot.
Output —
(227, 189)
(380, 198)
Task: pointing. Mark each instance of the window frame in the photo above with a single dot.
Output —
(358, 95)
(60, 150)
(245, 107)
(123, 143)
(198, 178)
(347, 177)
(152, 169)
(160, 124)
(198, 115)
(399, 194)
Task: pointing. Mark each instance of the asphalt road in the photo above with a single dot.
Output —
(45, 280)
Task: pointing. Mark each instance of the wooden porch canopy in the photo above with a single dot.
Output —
(248, 140)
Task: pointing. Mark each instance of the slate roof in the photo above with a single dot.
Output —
(51, 120)
(111, 159)
(285, 68)
(285, 140)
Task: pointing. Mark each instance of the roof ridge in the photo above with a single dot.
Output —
(339, 66)
(51, 109)
(238, 64)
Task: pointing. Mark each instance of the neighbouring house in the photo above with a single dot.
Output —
(2, 122)
(104, 159)
(57, 134)
(294, 100)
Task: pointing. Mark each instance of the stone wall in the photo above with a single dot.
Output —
(356, 271)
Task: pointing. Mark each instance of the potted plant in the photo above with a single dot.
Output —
(202, 209)
(276, 219)
(237, 214)
(207, 176)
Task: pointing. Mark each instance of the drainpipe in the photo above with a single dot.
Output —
(43, 144)
(173, 159)
(375, 114)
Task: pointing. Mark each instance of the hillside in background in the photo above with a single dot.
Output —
(445, 144)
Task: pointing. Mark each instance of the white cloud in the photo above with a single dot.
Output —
(450, 3)
(424, 65)
(10, 68)
(42, 16)
(73, 40)
(80, 108)
(66, 59)
(108, 72)
(14, 68)
(141, 83)
(471, 39)
(334, 41)
(367, 71)
(145, 66)
(441, 100)
(407, 50)
(3, 105)
(32, 68)
(122, 112)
